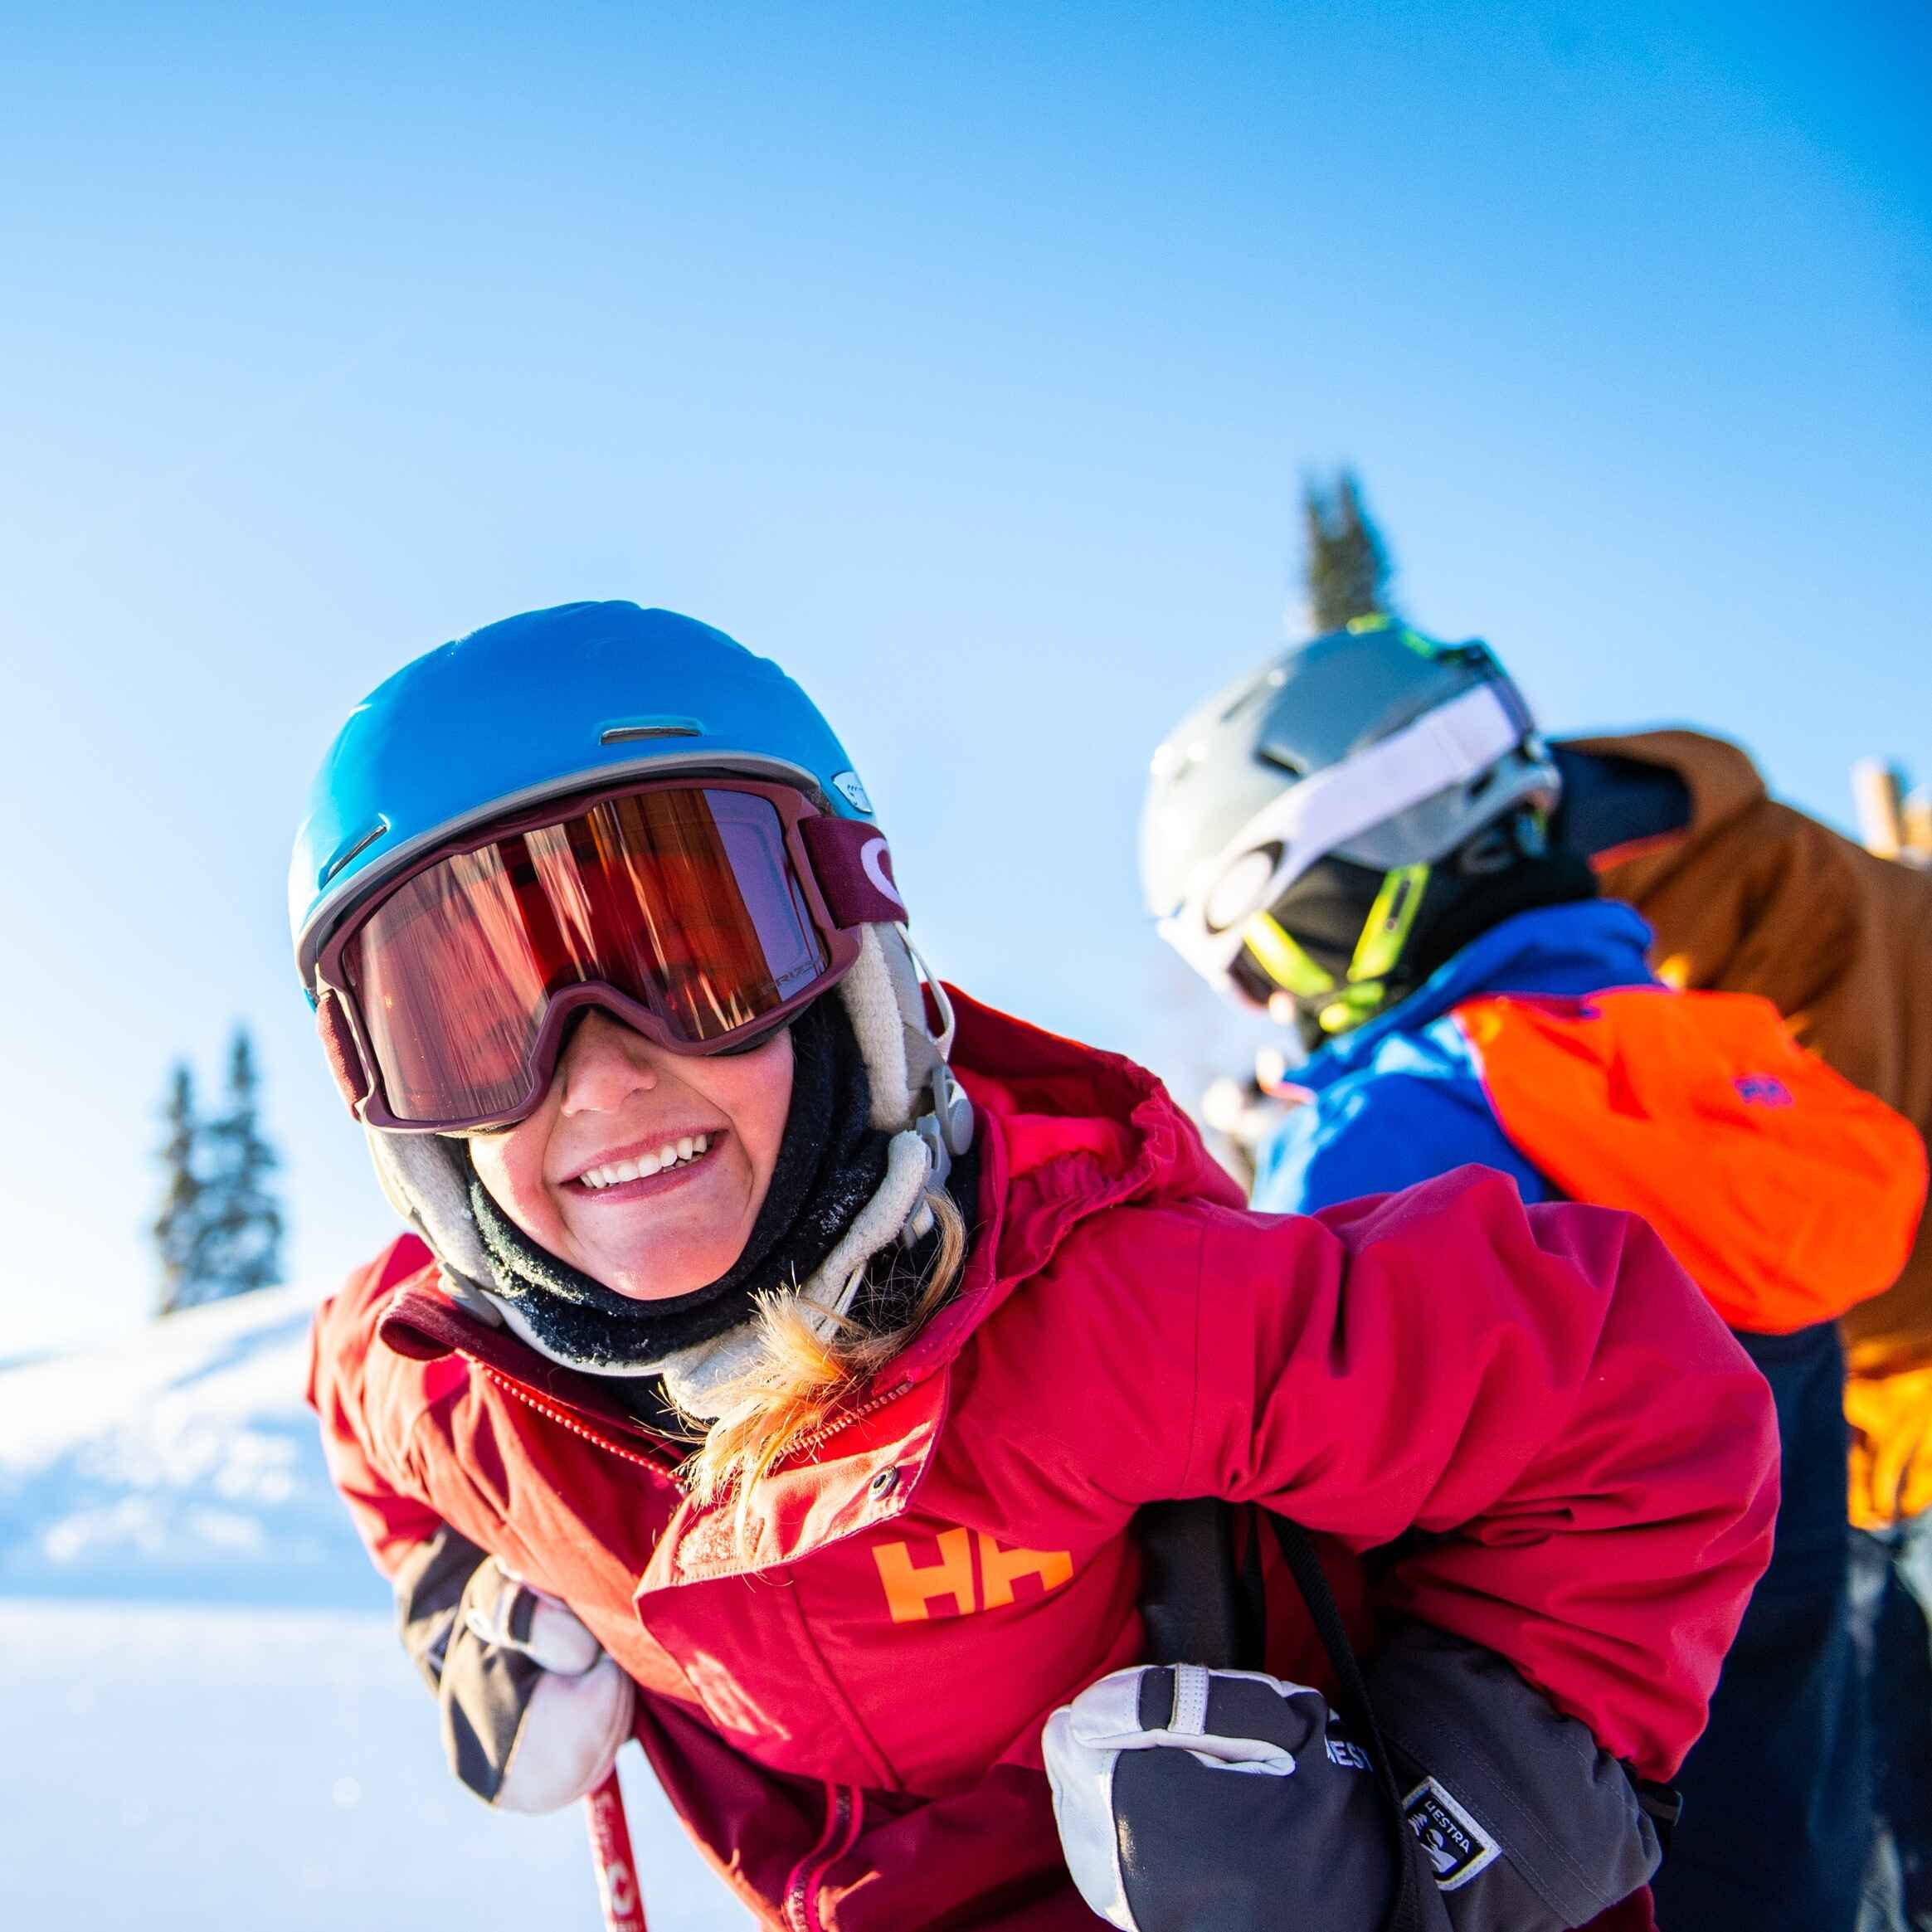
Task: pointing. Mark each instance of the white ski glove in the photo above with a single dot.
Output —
(534, 1711)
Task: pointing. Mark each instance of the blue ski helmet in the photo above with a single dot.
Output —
(541, 705)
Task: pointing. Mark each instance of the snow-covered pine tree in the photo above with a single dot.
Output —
(238, 1243)
(176, 1228)
(1347, 566)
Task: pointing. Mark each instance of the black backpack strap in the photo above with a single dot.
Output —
(1405, 1911)
(1662, 1804)
(1191, 1601)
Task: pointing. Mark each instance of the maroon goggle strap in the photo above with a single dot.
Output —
(684, 900)
(854, 867)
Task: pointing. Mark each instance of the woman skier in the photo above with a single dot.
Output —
(783, 1350)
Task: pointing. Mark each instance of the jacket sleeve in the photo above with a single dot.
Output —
(366, 1461)
(1542, 1393)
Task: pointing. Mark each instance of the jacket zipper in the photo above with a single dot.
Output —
(841, 1828)
(812, 1440)
(563, 1416)
(570, 1423)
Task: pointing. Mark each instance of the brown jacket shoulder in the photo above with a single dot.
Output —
(1754, 897)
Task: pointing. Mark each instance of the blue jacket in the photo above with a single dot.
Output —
(1400, 1099)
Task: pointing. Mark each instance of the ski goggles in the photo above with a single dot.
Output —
(701, 915)
(1273, 965)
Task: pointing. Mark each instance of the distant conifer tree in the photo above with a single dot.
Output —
(1348, 568)
(244, 1223)
(220, 1229)
(177, 1228)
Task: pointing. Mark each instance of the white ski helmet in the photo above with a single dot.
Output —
(1372, 744)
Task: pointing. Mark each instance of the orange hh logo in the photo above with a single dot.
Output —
(912, 1590)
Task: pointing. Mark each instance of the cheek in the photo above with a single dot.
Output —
(510, 1166)
(759, 1105)
(768, 1132)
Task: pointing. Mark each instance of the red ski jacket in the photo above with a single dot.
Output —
(845, 1706)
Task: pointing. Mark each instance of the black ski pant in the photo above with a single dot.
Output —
(1895, 1648)
(1778, 1792)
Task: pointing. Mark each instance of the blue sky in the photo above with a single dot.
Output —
(966, 360)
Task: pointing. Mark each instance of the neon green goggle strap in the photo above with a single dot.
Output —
(1385, 935)
(1350, 1007)
(1391, 919)
(1282, 959)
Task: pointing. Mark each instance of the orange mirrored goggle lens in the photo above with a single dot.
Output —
(683, 900)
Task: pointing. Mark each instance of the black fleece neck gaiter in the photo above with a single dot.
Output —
(829, 1164)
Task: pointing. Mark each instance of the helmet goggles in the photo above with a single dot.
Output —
(701, 914)
(1275, 969)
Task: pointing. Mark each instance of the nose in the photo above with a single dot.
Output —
(605, 1064)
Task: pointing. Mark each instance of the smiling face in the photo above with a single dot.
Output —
(643, 1169)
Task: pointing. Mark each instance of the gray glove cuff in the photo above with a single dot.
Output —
(429, 1594)
(485, 1689)
(1529, 1825)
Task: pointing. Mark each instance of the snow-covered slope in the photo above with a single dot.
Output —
(180, 1464)
(174, 1768)
(208, 1723)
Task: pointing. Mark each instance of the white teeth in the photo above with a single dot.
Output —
(616, 1172)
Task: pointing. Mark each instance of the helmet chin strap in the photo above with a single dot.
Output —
(945, 1125)
(913, 1091)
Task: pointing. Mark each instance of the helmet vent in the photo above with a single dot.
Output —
(632, 729)
(353, 848)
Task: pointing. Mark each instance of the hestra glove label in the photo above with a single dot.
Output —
(1457, 1846)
